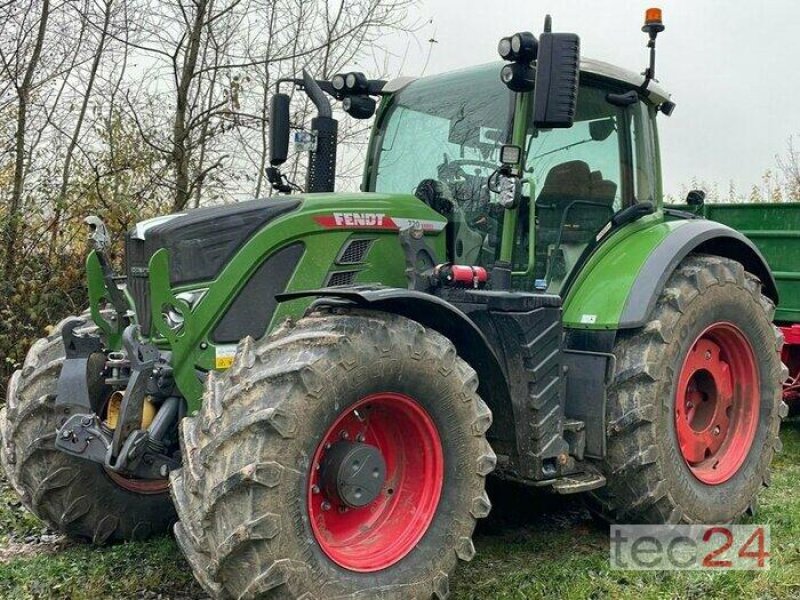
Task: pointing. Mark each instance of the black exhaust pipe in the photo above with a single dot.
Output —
(321, 176)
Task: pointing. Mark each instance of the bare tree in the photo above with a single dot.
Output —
(79, 121)
(12, 67)
(217, 61)
(789, 166)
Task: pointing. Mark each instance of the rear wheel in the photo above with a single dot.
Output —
(72, 495)
(695, 407)
(344, 456)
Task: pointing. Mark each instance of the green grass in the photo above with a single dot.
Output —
(533, 546)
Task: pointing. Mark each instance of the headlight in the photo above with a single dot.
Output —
(172, 315)
(356, 83)
(522, 47)
(338, 82)
(518, 77)
(359, 107)
(504, 48)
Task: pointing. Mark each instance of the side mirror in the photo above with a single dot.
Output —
(696, 198)
(601, 130)
(557, 73)
(509, 190)
(279, 129)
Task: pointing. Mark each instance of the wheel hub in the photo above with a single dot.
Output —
(352, 473)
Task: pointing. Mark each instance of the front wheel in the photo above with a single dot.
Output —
(695, 407)
(344, 456)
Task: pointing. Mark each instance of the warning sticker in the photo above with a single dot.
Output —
(224, 356)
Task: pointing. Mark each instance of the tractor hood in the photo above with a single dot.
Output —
(202, 243)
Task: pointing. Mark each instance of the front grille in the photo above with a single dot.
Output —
(341, 278)
(138, 281)
(354, 252)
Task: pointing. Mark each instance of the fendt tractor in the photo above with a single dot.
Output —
(316, 385)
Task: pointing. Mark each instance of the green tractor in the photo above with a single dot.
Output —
(316, 386)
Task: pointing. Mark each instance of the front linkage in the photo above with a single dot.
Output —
(90, 386)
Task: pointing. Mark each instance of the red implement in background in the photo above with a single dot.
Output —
(790, 356)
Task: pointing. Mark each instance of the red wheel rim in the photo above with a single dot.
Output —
(378, 535)
(146, 487)
(716, 408)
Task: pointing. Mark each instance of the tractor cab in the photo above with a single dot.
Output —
(440, 138)
(531, 165)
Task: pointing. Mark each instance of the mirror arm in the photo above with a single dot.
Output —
(317, 96)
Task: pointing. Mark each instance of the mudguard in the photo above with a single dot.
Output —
(620, 284)
(427, 309)
(438, 314)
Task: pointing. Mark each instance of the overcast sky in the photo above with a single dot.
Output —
(731, 66)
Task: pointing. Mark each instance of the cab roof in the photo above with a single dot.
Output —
(655, 92)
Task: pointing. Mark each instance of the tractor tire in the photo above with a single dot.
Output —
(71, 495)
(261, 514)
(696, 404)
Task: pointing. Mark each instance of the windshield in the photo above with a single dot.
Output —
(440, 140)
(440, 126)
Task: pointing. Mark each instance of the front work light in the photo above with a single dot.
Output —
(356, 83)
(510, 155)
(521, 47)
(518, 77)
(359, 107)
(338, 82)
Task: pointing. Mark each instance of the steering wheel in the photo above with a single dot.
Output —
(436, 195)
(449, 170)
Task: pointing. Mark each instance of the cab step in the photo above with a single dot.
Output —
(580, 482)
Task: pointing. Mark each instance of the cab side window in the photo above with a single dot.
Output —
(579, 176)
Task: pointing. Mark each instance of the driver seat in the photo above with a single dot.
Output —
(565, 185)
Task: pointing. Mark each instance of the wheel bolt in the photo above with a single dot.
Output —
(690, 405)
(345, 435)
(717, 430)
(326, 505)
(708, 354)
(342, 509)
(360, 438)
(327, 446)
(315, 489)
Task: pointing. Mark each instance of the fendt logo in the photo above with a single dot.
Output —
(353, 220)
(359, 219)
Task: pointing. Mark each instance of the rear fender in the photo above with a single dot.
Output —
(702, 237)
(621, 283)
